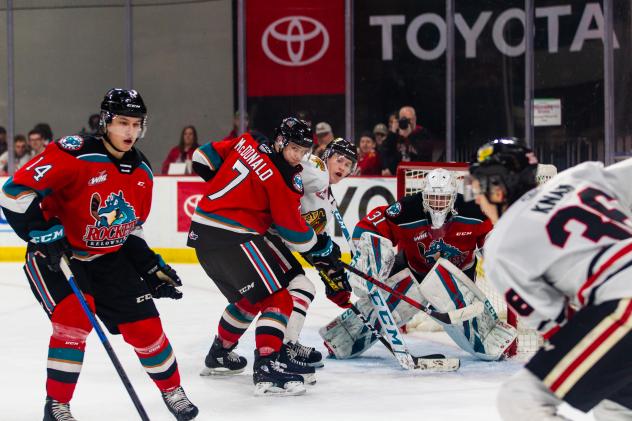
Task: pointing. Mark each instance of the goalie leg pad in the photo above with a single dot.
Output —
(447, 288)
(375, 256)
(347, 337)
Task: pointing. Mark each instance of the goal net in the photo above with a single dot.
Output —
(410, 180)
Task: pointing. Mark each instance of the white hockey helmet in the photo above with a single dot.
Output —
(438, 195)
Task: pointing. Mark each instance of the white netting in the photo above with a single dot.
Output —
(410, 180)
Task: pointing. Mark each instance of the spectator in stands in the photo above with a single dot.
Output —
(36, 142)
(184, 151)
(408, 141)
(20, 156)
(379, 134)
(3, 140)
(324, 136)
(368, 159)
(93, 126)
(234, 132)
(256, 135)
(46, 131)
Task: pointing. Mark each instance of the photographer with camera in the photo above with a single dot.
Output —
(408, 141)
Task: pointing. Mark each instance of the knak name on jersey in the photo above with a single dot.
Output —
(254, 160)
(552, 198)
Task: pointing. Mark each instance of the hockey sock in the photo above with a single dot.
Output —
(235, 320)
(66, 348)
(302, 291)
(154, 351)
(271, 325)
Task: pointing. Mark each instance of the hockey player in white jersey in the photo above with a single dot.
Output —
(339, 161)
(564, 247)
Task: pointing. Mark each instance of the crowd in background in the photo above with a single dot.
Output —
(400, 139)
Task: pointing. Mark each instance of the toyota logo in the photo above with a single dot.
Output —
(190, 204)
(295, 32)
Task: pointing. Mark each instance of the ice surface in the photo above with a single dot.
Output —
(369, 388)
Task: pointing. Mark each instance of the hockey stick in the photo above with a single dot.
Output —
(372, 328)
(64, 264)
(392, 342)
(452, 317)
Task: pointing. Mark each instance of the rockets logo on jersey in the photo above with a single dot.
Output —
(394, 209)
(71, 143)
(444, 249)
(114, 218)
(297, 182)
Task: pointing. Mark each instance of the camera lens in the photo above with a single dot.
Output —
(403, 123)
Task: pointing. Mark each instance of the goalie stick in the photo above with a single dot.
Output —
(435, 362)
(392, 338)
(452, 317)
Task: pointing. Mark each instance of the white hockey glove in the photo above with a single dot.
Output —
(375, 256)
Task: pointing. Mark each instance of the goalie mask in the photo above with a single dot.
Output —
(438, 195)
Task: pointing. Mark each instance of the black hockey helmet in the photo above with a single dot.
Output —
(342, 147)
(296, 131)
(508, 163)
(127, 102)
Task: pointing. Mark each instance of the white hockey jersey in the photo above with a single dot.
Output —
(317, 202)
(567, 242)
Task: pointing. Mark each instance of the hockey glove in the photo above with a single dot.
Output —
(337, 288)
(49, 242)
(325, 255)
(162, 280)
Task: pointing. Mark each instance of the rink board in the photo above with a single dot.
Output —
(175, 199)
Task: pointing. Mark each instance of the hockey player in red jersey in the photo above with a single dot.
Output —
(252, 189)
(429, 225)
(561, 255)
(87, 197)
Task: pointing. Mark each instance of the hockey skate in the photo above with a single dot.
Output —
(271, 378)
(306, 354)
(57, 411)
(179, 405)
(296, 366)
(222, 361)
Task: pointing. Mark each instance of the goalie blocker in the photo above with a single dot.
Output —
(445, 288)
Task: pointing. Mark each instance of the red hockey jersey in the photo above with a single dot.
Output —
(98, 199)
(252, 190)
(407, 225)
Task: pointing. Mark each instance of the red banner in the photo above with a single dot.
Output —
(189, 194)
(295, 48)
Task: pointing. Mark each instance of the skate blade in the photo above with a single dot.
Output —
(290, 389)
(318, 364)
(437, 364)
(309, 379)
(219, 372)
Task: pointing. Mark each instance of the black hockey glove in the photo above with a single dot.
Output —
(337, 288)
(325, 255)
(162, 280)
(49, 242)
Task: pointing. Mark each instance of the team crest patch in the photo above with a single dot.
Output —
(71, 143)
(394, 209)
(317, 219)
(297, 182)
(318, 162)
(114, 218)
